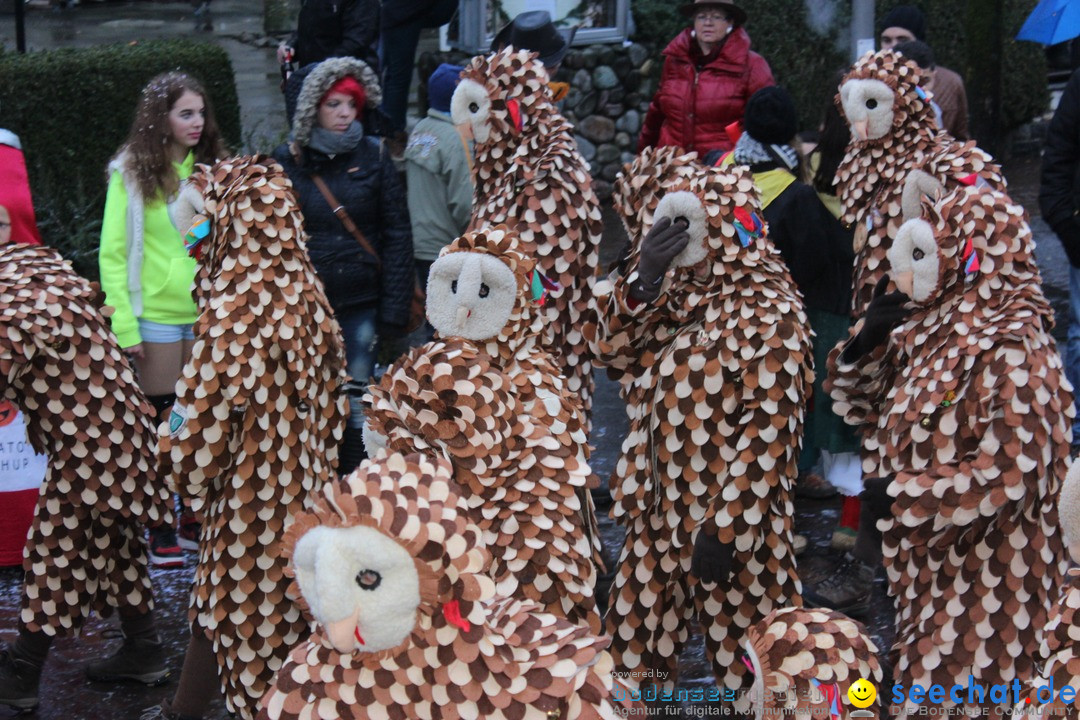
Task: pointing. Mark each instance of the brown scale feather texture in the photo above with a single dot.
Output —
(968, 408)
(715, 374)
(265, 411)
(537, 182)
(61, 365)
(515, 661)
(1058, 657)
(796, 645)
(870, 179)
(515, 435)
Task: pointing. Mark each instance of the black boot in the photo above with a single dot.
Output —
(141, 658)
(19, 680)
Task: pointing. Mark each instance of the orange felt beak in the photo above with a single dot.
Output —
(859, 126)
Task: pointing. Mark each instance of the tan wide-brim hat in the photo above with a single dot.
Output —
(737, 14)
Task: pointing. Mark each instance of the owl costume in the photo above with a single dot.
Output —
(884, 100)
(258, 417)
(1059, 655)
(967, 408)
(714, 373)
(490, 399)
(530, 176)
(61, 365)
(409, 624)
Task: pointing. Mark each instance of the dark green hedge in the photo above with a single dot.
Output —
(806, 43)
(72, 109)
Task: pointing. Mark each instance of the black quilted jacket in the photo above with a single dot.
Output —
(366, 183)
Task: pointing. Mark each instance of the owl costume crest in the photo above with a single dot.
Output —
(61, 365)
(490, 399)
(966, 407)
(530, 176)
(258, 416)
(884, 100)
(714, 373)
(409, 624)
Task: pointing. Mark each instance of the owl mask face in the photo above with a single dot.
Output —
(915, 261)
(361, 586)
(868, 106)
(686, 206)
(471, 107)
(470, 295)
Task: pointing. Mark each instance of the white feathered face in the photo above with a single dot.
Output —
(868, 105)
(361, 586)
(686, 206)
(470, 295)
(471, 106)
(915, 260)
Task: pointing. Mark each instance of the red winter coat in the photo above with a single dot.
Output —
(692, 107)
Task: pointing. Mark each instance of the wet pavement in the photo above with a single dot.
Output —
(65, 693)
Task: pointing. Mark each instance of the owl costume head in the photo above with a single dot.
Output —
(719, 205)
(969, 254)
(501, 98)
(805, 653)
(883, 97)
(483, 288)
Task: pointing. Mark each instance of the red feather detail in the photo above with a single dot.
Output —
(969, 180)
(452, 612)
(514, 109)
(744, 217)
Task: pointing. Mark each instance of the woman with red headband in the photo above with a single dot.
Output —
(371, 296)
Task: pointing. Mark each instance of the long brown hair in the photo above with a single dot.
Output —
(147, 145)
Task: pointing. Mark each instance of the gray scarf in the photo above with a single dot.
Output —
(332, 143)
(749, 151)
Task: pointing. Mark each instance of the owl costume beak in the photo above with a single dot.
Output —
(859, 126)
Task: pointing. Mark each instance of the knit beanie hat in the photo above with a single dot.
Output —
(348, 85)
(770, 116)
(908, 17)
(441, 84)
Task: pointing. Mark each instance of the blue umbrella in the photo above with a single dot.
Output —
(1052, 22)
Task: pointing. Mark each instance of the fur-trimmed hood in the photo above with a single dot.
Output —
(307, 86)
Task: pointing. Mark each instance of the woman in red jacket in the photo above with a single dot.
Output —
(709, 74)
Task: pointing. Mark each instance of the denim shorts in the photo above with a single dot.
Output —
(160, 333)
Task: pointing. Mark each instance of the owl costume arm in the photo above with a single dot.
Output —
(199, 427)
(857, 388)
(1005, 406)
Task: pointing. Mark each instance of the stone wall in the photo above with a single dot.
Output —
(610, 90)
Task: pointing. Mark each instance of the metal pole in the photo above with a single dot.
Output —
(20, 25)
(862, 28)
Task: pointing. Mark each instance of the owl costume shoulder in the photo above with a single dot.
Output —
(61, 365)
(714, 373)
(259, 412)
(885, 101)
(966, 406)
(409, 623)
(489, 399)
(530, 176)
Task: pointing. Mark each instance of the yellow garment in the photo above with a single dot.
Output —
(829, 200)
(769, 183)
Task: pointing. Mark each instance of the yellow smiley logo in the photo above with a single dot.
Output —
(861, 694)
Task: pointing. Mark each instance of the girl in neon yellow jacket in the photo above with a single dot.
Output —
(145, 271)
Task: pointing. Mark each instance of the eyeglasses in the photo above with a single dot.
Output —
(711, 17)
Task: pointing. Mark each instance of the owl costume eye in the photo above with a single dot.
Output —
(868, 105)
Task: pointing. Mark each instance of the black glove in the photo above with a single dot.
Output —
(876, 501)
(662, 243)
(884, 313)
(712, 560)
